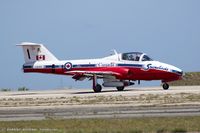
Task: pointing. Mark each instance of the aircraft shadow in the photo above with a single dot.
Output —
(103, 91)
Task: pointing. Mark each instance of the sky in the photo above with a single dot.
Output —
(168, 31)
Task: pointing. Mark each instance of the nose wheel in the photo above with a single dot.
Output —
(165, 86)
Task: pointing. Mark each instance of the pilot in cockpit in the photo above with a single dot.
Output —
(137, 58)
(131, 57)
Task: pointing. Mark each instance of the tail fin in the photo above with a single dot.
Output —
(36, 52)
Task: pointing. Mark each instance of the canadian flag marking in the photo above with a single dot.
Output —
(40, 57)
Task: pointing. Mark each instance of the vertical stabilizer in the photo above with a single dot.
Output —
(36, 52)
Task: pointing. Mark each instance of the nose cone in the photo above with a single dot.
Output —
(174, 69)
(179, 72)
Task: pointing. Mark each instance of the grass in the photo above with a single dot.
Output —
(128, 125)
(147, 99)
(190, 78)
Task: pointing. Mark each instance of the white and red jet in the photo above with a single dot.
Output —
(118, 70)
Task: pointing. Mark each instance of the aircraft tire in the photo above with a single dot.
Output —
(120, 88)
(97, 88)
(165, 86)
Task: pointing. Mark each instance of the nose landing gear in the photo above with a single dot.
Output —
(165, 86)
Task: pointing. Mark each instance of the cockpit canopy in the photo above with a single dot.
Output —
(136, 56)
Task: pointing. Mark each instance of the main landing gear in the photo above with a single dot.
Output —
(165, 86)
(120, 88)
(96, 87)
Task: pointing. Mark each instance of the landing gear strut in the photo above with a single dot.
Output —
(96, 87)
(165, 86)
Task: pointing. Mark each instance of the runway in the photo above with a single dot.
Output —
(67, 104)
(96, 112)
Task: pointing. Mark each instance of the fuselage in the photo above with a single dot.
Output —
(127, 69)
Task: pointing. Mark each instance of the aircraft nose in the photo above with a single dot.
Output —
(178, 71)
(174, 70)
(181, 73)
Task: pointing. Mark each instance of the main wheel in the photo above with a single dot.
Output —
(165, 86)
(120, 88)
(97, 88)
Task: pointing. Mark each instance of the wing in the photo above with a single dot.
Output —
(81, 75)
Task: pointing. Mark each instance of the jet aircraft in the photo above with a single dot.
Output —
(118, 70)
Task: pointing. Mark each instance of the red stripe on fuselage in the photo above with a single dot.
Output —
(126, 73)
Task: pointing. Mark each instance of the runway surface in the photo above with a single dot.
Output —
(67, 104)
